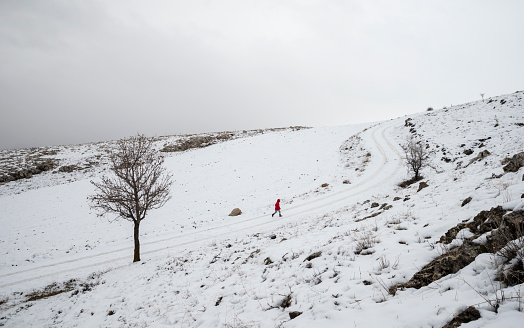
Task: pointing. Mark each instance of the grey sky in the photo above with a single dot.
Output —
(79, 71)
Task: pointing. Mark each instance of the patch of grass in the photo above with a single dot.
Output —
(364, 242)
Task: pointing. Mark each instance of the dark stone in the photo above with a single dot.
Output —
(515, 163)
(313, 256)
(468, 152)
(294, 314)
(422, 185)
(466, 201)
(468, 315)
(373, 205)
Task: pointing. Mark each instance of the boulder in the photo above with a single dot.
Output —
(466, 201)
(515, 163)
(422, 185)
(235, 212)
(294, 314)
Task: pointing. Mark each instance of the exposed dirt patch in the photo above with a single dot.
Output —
(407, 183)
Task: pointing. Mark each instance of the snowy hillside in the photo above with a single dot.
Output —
(343, 254)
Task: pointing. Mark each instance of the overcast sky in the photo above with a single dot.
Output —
(81, 71)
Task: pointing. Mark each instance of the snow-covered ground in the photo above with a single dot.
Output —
(203, 268)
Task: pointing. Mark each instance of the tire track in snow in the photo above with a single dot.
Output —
(370, 180)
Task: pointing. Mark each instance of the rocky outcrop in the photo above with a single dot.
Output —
(515, 163)
(27, 173)
(68, 168)
(503, 227)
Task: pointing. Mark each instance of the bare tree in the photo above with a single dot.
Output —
(139, 183)
(415, 156)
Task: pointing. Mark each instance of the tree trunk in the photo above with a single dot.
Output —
(136, 257)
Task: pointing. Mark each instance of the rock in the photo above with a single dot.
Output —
(324, 185)
(468, 315)
(422, 185)
(375, 205)
(481, 155)
(45, 166)
(515, 163)
(346, 182)
(466, 201)
(294, 314)
(235, 212)
(468, 152)
(448, 263)
(370, 216)
(502, 227)
(396, 198)
(67, 168)
(313, 256)
(267, 261)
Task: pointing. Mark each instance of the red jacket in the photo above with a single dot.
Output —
(277, 205)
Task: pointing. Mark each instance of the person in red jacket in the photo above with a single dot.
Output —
(277, 208)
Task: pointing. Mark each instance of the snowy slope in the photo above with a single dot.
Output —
(202, 268)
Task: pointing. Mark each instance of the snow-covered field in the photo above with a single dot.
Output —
(61, 265)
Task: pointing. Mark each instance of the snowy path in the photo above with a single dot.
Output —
(385, 165)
